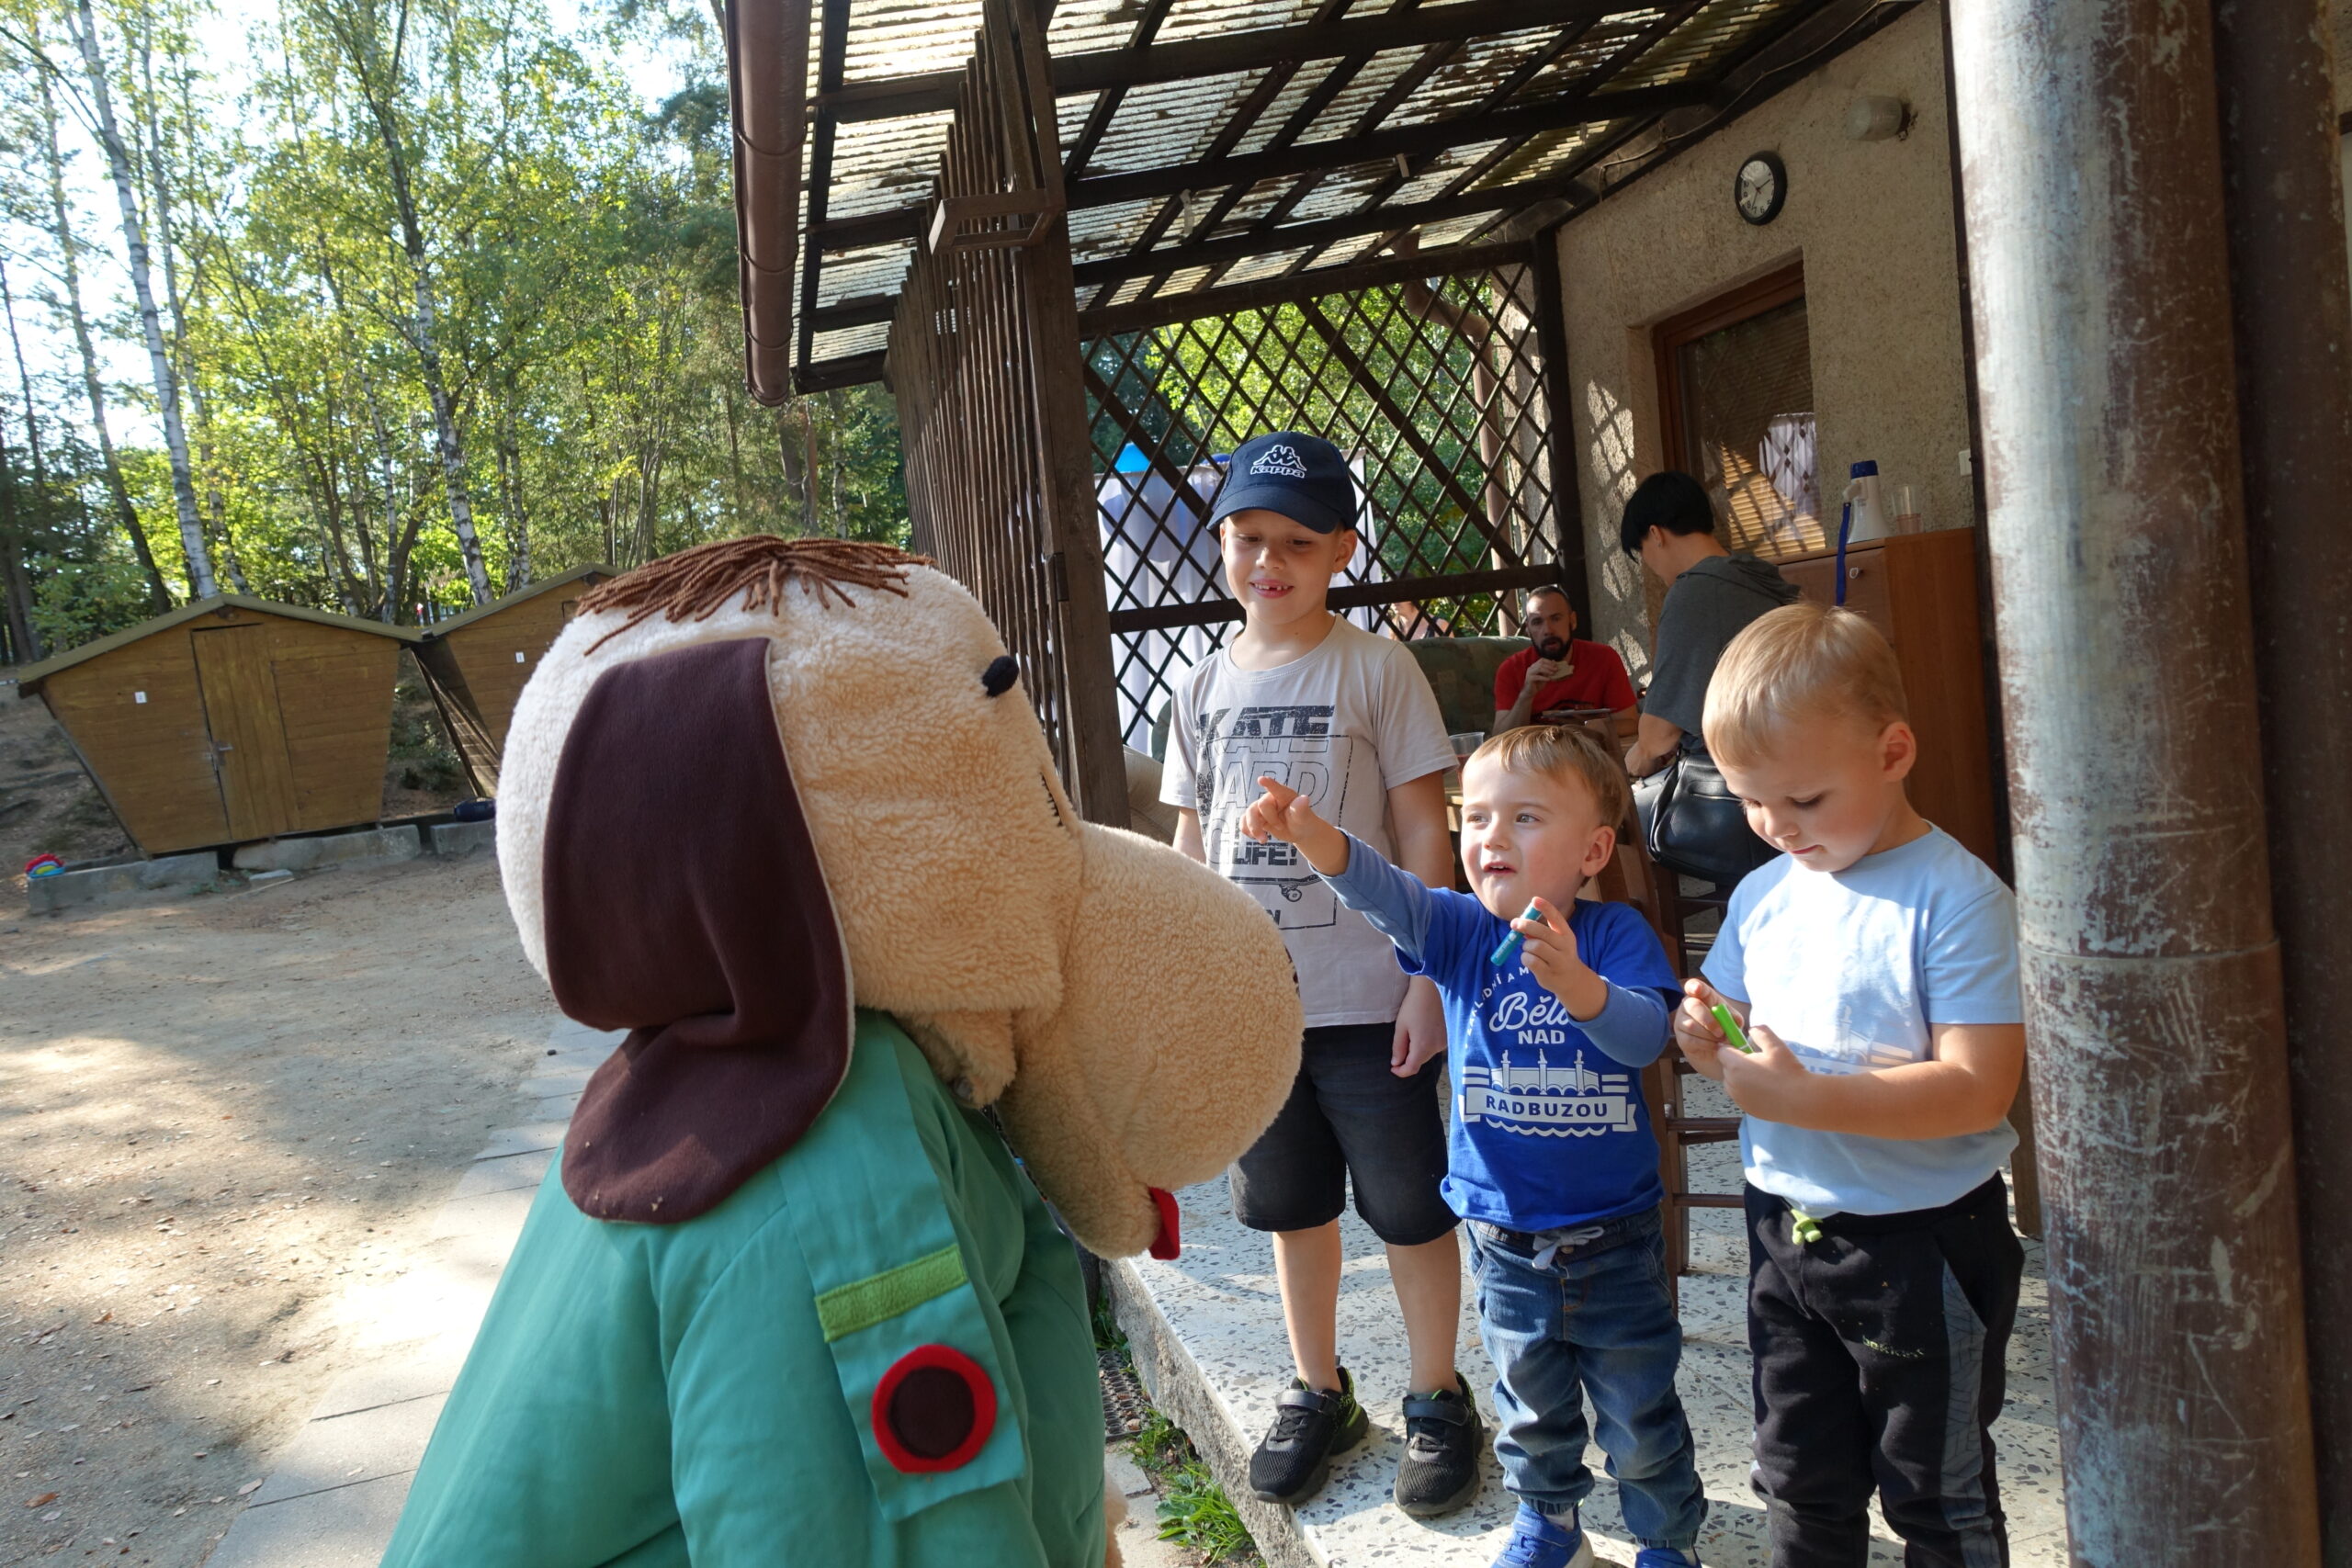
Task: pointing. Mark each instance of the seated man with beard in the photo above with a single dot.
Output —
(1557, 672)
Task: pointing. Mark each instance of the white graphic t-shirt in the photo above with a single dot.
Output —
(1343, 726)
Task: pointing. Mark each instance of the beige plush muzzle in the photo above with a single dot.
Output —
(1133, 1016)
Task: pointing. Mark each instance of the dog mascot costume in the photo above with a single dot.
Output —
(781, 811)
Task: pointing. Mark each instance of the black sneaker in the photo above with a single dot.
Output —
(1310, 1429)
(1442, 1435)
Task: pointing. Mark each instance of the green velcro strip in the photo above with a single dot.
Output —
(878, 1298)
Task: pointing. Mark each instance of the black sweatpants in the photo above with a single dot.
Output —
(1879, 1367)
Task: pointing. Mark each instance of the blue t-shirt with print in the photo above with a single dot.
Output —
(1549, 1130)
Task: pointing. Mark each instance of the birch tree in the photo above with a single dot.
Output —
(81, 25)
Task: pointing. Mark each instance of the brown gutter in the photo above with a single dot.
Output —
(2099, 260)
(2294, 326)
(767, 91)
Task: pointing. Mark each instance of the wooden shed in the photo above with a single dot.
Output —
(231, 719)
(476, 662)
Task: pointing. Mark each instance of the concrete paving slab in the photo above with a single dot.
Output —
(451, 840)
(500, 1175)
(331, 1452)
(403, 1373)
(549, 1081)
(498, 1215)
(369, 846)
(347, 1528)
(555, 1108)
(101, 884)
(530, 1138)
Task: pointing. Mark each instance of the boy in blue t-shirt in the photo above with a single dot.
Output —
(1878, 960)
(1550, 1157)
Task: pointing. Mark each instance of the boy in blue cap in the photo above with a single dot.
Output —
(1346, 719)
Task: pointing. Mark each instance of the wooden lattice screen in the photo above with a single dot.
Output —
(1435, 388)
(993, 423)
(1068, 482)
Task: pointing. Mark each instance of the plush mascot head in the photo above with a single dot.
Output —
(758, 782)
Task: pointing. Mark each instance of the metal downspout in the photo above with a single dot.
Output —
(2096, 229)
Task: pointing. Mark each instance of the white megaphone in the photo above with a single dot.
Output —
(1864, 517)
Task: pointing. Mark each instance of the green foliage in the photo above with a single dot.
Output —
(576, 255)
(1194, 1509)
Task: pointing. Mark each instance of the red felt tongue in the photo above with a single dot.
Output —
(1166, 1245)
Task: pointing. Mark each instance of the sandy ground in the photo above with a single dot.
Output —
(218, 1116)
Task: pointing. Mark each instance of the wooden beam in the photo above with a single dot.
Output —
(1562, 113)
(1175, 258)
(827, 375)
(1098, 120)
(1355, 596)
(864, 311)
(1374, 388)
(832, 53)
(1258, 48)
(1109, 321)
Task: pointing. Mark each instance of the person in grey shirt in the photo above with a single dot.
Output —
(1711, 596)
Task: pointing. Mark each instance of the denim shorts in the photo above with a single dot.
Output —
(1349, 1118)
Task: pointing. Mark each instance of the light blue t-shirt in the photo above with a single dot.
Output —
(1850, 968)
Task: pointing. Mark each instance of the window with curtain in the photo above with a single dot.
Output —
(1736, 390)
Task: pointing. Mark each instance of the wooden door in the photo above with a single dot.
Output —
(248, 734)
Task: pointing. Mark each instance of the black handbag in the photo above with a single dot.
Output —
(1694, 825)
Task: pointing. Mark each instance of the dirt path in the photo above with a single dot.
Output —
(216, 1115)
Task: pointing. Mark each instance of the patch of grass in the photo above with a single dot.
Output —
(1194, 1509)
(1108, 1335)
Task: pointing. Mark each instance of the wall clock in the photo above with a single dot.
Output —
(1759, 187)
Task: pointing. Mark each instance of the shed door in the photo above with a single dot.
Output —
(248, 733)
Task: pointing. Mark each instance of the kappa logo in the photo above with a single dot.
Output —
(1282, 460)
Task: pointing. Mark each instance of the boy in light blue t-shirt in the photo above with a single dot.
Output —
(1875, 962)
(1550, 1157)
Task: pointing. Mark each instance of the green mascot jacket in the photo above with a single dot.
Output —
(781, 1301)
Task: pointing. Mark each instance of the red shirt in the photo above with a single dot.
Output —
(1596, 679)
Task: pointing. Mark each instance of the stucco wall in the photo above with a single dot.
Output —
(1872, 222)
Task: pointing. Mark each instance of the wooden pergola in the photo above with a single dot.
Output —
(984, 203)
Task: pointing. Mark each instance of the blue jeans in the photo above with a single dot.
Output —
(1596, 1323)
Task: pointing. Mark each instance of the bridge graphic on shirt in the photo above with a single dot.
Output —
(1546, 1101)
(1290, 742)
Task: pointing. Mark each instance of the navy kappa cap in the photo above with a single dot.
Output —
(1302, 477)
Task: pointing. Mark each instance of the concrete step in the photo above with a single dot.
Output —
(1207, 1331)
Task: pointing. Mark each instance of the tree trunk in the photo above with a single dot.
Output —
(125, 513)
(15, 587)
(23, 380)
(134, 240)
(370, 68)
(510, 478)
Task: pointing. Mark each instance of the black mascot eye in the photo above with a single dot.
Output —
(999, 677)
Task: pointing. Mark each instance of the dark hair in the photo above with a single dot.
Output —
(1669, 499)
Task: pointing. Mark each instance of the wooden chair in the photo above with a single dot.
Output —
(1632, 877)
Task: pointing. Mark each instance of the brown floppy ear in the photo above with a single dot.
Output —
(685, 902)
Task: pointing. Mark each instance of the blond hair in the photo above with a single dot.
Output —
(1560, 752)
(1801, 662)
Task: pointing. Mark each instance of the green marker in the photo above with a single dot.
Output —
(1732, 1031)
(1804, 1226)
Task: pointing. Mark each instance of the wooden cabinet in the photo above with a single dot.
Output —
(1920, 590)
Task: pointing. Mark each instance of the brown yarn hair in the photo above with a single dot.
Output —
(695, 585)
(1561, 752)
